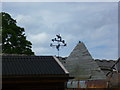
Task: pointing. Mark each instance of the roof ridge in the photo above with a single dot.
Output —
(61, 65)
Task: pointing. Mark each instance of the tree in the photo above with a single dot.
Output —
(13, 37)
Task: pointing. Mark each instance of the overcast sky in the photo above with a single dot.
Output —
(94, 23)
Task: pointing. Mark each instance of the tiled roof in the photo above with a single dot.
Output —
(82, 66)
(31, 65)
(105, 64)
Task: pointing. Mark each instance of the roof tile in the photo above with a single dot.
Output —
(30, 65)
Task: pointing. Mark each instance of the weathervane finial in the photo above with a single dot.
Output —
(60, 42)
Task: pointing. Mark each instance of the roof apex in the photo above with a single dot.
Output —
(80, 63)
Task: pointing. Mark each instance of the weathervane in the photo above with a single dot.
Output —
(59, 41)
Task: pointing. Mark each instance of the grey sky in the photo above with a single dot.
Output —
(94, 23)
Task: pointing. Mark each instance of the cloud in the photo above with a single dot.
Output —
(41, 43)
(60, 1)
(22, 19)
(40, 50)
(40, 38)
(93, 23)
(0, 6)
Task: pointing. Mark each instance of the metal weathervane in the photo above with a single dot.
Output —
(59, 43)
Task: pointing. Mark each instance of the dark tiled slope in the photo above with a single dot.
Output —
(30, 65)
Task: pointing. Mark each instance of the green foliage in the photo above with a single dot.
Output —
(13, 37)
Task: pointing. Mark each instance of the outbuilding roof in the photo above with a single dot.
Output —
(32, 65)
(82, 66)
(105, 64)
